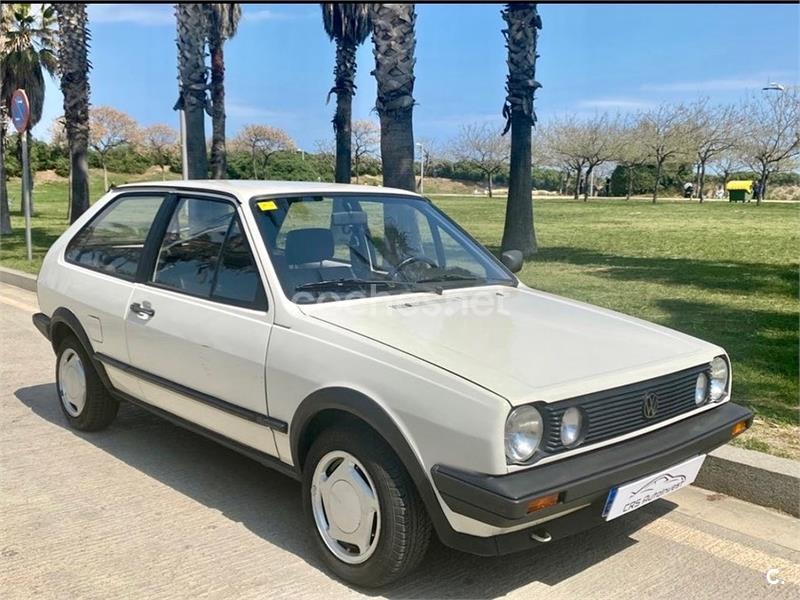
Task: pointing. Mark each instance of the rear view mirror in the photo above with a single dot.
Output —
(343, 219)
(512, 259)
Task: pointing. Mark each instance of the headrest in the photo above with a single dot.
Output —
(308, 245)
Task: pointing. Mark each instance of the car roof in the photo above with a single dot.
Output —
(246, 189)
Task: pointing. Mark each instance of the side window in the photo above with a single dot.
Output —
(238, 280)
(113, 241)
(191, 247)
(205, 253)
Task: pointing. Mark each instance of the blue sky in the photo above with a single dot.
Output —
(593, 58)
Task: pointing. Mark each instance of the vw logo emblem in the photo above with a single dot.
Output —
(650, 405)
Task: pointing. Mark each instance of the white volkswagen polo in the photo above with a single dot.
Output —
(358, 340)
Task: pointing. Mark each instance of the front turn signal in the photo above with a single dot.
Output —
(542, 502)
(740, 427)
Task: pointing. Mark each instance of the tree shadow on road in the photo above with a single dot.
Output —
(267, 503)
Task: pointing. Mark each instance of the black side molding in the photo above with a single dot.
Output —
(256, 455)
(42, 323)
(244, 413)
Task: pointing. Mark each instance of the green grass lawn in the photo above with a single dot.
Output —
(727, 273)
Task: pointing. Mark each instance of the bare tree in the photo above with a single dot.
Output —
(597, 143)
(631, 152)
(161, 143)
(326, 154)
(366, 137)
(561, 142)
(771, 135)
(110, 128)
(484, 148)
(714, 135)
(727, 163)
(667, 134)
(262, 141)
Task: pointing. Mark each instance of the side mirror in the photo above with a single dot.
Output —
(512, 259)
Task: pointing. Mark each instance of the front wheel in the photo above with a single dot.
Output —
(369, 522)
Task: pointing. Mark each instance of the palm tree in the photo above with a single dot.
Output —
(222, 20)
(523, 23)
(27, 47)
(394, 42)
(74, 69)
(349, 25)
(191, 25)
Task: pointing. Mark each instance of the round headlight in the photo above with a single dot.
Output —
(571, 425)
(719, 379)
(523, 433)
(701, 389)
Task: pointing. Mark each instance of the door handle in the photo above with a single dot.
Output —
(142, 311)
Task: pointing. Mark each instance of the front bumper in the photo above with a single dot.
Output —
(42, 323)
(585, 479)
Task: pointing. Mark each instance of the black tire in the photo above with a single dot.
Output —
(405, 525)
(101, 407)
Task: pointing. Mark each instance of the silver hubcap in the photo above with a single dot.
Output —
(344, 501)
(71, 382)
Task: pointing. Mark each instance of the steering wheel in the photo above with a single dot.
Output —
(410, 261)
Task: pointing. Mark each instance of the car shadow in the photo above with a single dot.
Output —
(266, 502)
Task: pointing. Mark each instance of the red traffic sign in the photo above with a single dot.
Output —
(20, 110)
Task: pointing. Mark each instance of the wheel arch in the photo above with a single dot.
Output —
(63, 323)
(319, 408)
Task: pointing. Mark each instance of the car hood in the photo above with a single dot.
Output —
(519, 343)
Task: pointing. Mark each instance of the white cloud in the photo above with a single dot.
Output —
(723, 84)
(135, 14)
(241, 110)
(615, 104)
(708, 85)
(258, 15)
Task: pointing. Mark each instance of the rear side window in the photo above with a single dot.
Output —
(205, 253)
(113, 241)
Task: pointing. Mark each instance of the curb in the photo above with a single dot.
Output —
(26, 281)
(753, 476)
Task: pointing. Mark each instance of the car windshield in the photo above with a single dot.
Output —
(339, 247)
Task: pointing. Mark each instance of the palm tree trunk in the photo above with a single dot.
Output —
(192, 78)
(523, 23)
(219, 166)
(5, 213)
(255, 164)
(105, 173)
(345, 76)
(489, 183)
(74, 67)
(393, 36)
(577, 190)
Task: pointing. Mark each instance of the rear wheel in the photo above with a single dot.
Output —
(369, 522)
(84, 399)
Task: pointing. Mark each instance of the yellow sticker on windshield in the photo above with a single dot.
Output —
(267, 205)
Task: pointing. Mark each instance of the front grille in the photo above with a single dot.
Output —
(620, 410)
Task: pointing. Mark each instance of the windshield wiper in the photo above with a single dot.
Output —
(449, 277)
(338, 284)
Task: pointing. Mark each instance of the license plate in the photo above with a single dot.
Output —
(635, 494)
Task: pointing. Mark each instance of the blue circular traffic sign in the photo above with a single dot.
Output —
(20, 110)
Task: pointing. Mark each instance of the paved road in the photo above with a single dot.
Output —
(147, 510)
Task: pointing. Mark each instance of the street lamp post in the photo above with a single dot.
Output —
(421, 168)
